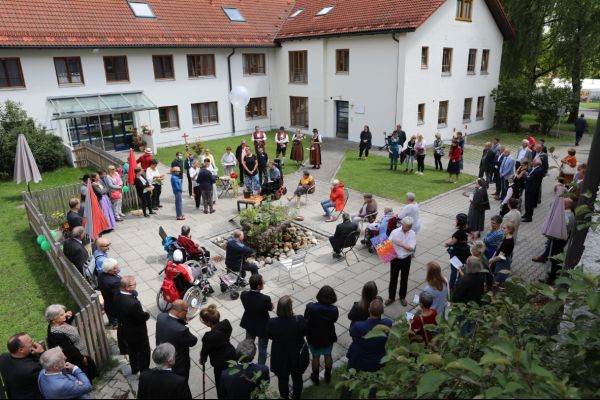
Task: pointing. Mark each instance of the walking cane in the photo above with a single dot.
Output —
(203, 383)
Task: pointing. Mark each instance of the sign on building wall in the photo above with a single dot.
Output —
(359, 108)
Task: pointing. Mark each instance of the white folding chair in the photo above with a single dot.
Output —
(294, 262)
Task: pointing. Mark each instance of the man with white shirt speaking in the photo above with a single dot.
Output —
(404, 241)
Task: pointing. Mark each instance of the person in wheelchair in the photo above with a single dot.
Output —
(194, 250)
(342, 231)
(273, 180)
(378, 227)
(189, 273)
(236, 254)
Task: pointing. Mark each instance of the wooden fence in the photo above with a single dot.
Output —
(89, 320)
(87, 155)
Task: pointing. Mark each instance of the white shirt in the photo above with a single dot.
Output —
(151, 174)
(282, 140)
(194, 173)
(408, 239)
(522, 153)
(411, 210)
(260, 136)
(228, 159)
(213, 169)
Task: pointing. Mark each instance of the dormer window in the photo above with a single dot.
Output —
(297, 12)
(234, 15)
(464, 10)
(141, 10)
(325, 10)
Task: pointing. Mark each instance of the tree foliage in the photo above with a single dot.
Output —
(47, 149)
(546, 101)
(531, 341)
(512, 99)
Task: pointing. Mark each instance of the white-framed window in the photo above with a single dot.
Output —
(467, 109)
(141, 10)
(443, 114)
(447, 61)
(421, 114)
(205, 113)
(480, 105)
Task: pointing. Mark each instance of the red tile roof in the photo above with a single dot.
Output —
(369, 16)
(202, 23)
(111, 23)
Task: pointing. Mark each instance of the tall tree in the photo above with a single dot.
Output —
(576, 28)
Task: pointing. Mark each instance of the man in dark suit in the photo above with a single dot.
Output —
(238, 382)
(74, 250)
(486, 165)
(132, 320)
(533, 185)
(256, 315)
(109, 283)
(20, 367)
(401, 135)
(161, 382)
(74, 215)
(239, 153)
(540, 154)
(338, 240)
(172, 328)
(236, 253)
(499, 157)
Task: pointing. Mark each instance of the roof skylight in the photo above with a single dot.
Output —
(141, 10)
(326, 10)
(297, 12)
(234, 14)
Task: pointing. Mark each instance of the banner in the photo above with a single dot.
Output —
(384, 248)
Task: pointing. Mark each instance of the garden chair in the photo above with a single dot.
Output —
(294, 262)
(349, 244)
(311, 190)
(346, 198)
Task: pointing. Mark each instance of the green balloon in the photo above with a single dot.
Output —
(45, 246)
(125, 189)
(40, 239)
(54, 234)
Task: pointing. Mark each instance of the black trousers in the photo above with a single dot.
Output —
(156, 196)
(218, 372)
(189, 179)
(438, 161)
(363, 147)
(531, 199)
(146, 200)
(557, 247)
(421, 162)
(207, 199)
(197, 196)
(399, 266)
(262, 174)
(498, 182)
(139, 353)
(284, 385)
(241, 173)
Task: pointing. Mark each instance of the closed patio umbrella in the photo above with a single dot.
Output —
(555, 225)
(26, 168)
(132, 164)
(95, 222)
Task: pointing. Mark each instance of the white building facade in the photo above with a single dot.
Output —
(436, 77)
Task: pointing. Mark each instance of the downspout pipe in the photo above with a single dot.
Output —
(230, 89)
(397, 71)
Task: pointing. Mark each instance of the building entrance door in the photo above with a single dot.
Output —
(109, 132)
(341, 119)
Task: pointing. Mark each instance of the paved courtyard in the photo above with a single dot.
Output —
(137, 246)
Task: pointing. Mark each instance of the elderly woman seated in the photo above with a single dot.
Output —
(272, 179)
(62, 333)
(306, 185)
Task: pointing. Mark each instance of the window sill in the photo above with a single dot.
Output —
(257, 74)
(13, 88)
(420, 122)
(298, 83)
(444, 74)
(164, 79)
(479, 119)
(299, 126)
(466, 120)
(464, 19)
(424, 67)
(197, 78)
(66, 85)
(169, 129)
(483, 73)
(342, 73)
(205, 125)
(117, 82)
(444, 125)
(470, 72)
(257, 117)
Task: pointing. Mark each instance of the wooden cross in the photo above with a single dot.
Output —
(185, 136)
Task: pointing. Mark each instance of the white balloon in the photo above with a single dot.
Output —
(239, 97)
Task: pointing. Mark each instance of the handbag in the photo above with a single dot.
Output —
(115, 195)
(568, 170)
(303, 355)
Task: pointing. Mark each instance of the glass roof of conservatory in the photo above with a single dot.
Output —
(100, 104)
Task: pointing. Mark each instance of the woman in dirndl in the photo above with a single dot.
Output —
(101, 192)
(315, 149)
(297, 149)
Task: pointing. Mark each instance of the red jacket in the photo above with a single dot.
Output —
(144, 160)
(337, 196)
(189, 245)
(455, 153)
(531, 142)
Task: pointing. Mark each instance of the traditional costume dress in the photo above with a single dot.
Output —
(282, 141)
(259, 138)
(297, 149)
(315, 150)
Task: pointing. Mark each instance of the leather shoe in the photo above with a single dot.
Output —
(539, 259)
(403, 302)
(389, 301)
(526, 220)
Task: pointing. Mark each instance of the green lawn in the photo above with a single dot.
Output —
(595, 104)
(29, 282)
(373, 176)
(217, 147)
(324, 391)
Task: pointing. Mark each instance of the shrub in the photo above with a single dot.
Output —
(546, 102)
(47, 149)
(512, 99)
